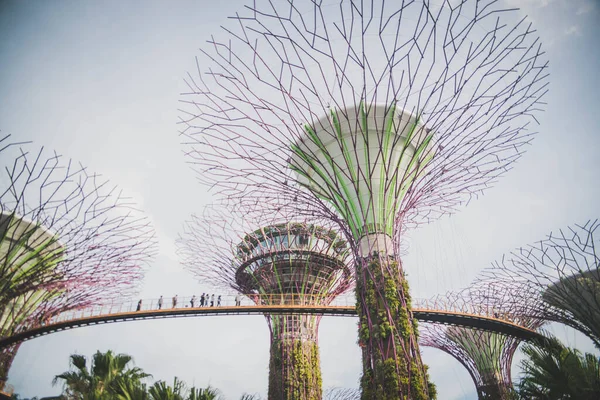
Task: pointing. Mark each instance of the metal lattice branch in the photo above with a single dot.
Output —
(6, 142)
(558, 276)
(68, 239)
(341, 394)
(375, 115)
(471, 82)
(481, 353)
(213, 247)
(291, 262)
(486, 355)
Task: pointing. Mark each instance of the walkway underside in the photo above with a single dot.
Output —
(425, 315)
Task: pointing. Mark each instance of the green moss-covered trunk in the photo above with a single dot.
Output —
(495, 391)
(7, 356)
(392, 366)
(294, 370)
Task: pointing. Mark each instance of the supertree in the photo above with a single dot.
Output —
(377, 115)
(559, 276)
(486, 355)
(278, 263)
(68, 240)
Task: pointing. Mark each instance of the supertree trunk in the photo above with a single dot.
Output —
(7, 357)
(294, 367)
(68, 240)
(281, 264)
(494, 391)
(377, 115)
(392, 365)
(487, 356)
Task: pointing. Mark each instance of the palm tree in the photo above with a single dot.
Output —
(208, 393)
(552, 371)
(127, 389)
(162, 391)
(101, 382)
(247, 396)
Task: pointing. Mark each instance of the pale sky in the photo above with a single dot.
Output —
(100, 82)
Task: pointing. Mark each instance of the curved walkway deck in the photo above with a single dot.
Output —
(424, 311)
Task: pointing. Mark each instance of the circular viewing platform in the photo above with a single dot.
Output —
(291, 259)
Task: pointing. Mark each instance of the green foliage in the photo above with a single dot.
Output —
(553, 371)
(497, 390)
(208, 393)
(247, 396)
(127, 389)
(111, 378)
(294, 371)
(178, 391)
(392, 368)
(162, 391)
(431, 388)
(17, 397)
(107, 374)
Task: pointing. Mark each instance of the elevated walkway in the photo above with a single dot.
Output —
(267, 304)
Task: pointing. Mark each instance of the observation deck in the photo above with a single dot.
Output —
(293, 259)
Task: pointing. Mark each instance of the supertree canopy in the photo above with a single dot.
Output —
(68, 240)
(377, 115)
(486, 355)
(289, 263)
(559, 276)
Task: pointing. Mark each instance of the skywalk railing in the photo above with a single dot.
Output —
(246, 301)
(193, 302)
(432, 311)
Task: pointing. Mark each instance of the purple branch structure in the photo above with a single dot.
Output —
(377, 115)
(68, 240)
(559, 276)
(486, 355)
(341, 394)
(274, 263)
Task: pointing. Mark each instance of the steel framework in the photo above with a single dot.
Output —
(68, 240)
(559, 276)
(486, 355)
(280, 263)
(378, 115)
(341, 394)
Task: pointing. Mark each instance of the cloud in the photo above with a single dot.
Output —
(573, 30)
(528, 3)
(585, 8)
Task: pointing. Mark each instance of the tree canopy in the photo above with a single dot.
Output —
(554, 371)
